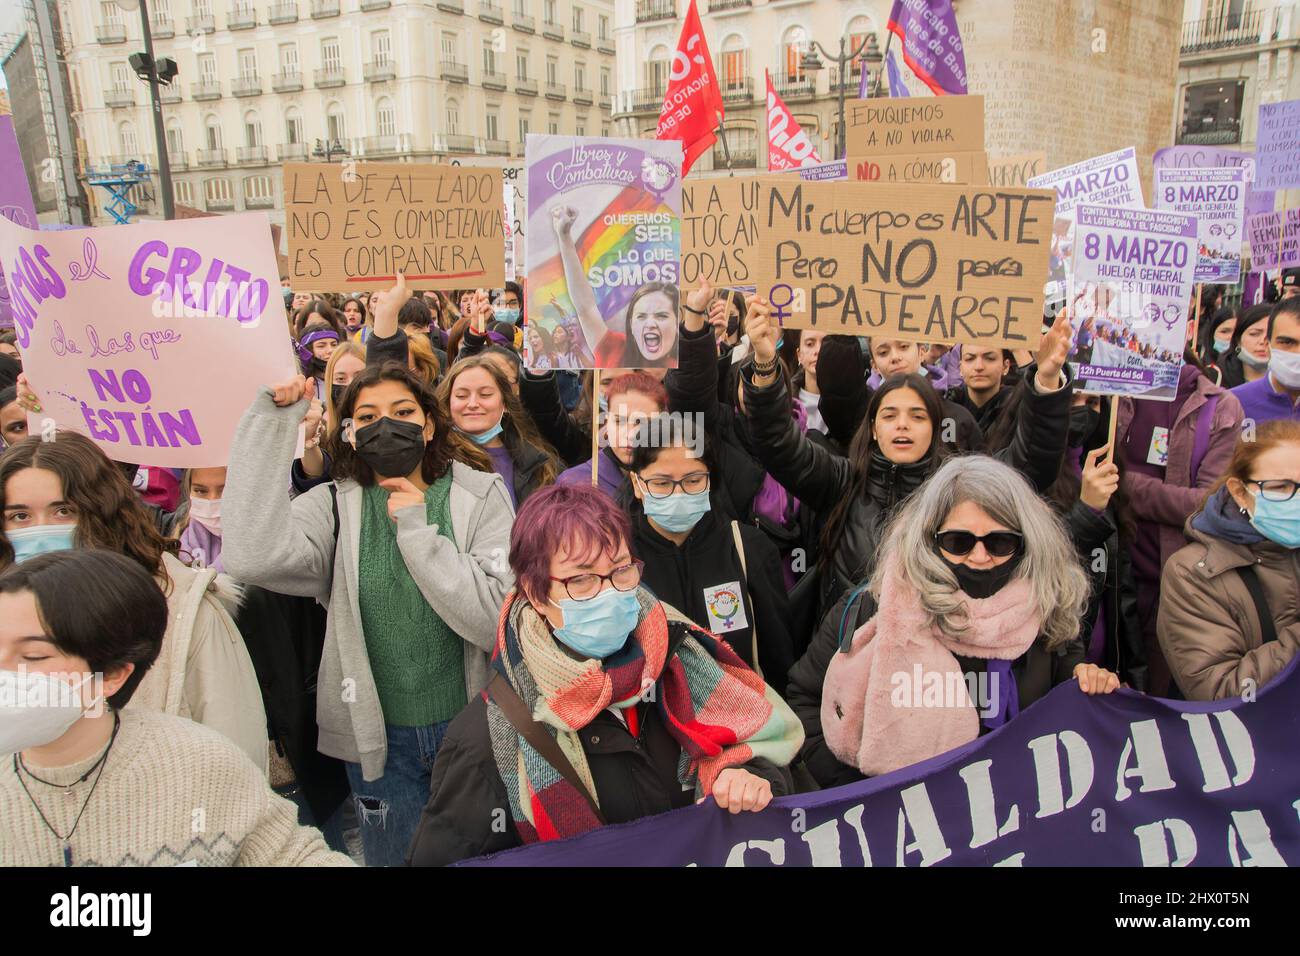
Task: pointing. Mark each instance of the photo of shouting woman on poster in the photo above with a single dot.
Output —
(649, 336)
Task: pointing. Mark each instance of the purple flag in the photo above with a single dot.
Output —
(896, 85)
(1177, 783)
(863, 82)
(931, 43)
(16, 203)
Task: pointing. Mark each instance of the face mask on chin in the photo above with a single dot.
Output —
(1285, 368)
(1250, 360)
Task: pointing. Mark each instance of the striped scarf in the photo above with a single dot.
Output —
(719, 711)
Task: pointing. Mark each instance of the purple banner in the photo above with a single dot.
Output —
(1120, 780)
(1217, 198)
(931, 43)
(16, 203)
(1277, 145)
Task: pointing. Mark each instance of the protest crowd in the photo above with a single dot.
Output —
(469, 581)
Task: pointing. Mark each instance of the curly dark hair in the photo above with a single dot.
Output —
(109, 513)
(439, 452)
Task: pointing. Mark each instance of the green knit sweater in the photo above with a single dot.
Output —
(417, 660)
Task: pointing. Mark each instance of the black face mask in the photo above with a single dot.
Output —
(986, 583)
(391, 448)
(336, 393)
(1083, 422)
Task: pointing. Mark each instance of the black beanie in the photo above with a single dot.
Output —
(842, 379)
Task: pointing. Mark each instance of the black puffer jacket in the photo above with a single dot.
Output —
(820, 479)
(985, 415)
(1110, 572)
(540, 394)
(528, 460)
(1036, 671)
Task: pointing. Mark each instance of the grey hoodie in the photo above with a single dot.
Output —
(290, 547)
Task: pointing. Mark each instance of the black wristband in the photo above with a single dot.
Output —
(693, 311)
(764, 368)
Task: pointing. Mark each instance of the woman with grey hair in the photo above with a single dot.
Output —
(972, 614)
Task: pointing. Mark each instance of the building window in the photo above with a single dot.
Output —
(521, 64)
(288, 58)
(602, 31)
(577, 19)
(489, 57)
(524, 123)
(175, 141)
(1212, 112)
(248, 64)
(386, 120)
(258, 188)
(792, 50)
(111, 14)
(656, 68)
(548, 11)
(552, 70)
(252, 130)
(203, 8)
(449, 48)
(580, 130)
(216, 190)
(330, 57)
(121, 77)
(212, 132)
(381, 47)
(183, 192)
(126, 140)
(553, 124)
(293, 125)
(579, 76)
(453, 118)
(861, 31)
(735, 63)
(208, 68)
(604, 130)
(604, 81)
(491, 125)
(335, 125)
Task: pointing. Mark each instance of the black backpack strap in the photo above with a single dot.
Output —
(334, 509)
(1250, 578)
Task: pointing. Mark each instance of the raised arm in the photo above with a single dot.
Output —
(387, 342)
(579, 287)
(693, 385)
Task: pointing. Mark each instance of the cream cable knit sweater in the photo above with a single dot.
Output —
(171, 792)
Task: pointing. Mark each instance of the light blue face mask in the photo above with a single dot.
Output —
(600, 626)
(506, 314)
(42, 539)
(485, 437)
(1278, 521)
(1221, 345)
(678, 512)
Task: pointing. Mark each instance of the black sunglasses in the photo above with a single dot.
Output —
(999, 544)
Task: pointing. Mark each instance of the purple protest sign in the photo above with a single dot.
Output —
(931, 41)
(16, 203)
(1204, 157)
(1272, 245)
(1132, 279)
(1175, 784)
(1216, 196)
(1277, 145)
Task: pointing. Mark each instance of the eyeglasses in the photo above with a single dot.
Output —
(999, 544)
(692, 484)
(584, 587)
(1275, 489)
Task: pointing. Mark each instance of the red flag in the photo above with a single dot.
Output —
(692, 106)
(788, 146)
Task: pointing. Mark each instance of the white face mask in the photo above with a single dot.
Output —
(207, 512)
(1285, 367)
(36, 709)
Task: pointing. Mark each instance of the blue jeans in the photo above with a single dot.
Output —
(388, 809)
(331, 829)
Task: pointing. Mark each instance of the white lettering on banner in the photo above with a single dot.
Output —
(1078, 759)
(1152, 767)
(918, 812)
(798, 146)
(1154, 846)
(775, 850)
(1249, 828)
(983, 810)
(1240, 748)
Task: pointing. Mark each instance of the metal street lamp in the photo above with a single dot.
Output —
(149, 69)
(810, 62)
(325, 150)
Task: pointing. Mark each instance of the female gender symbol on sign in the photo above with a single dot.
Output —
(781, 310)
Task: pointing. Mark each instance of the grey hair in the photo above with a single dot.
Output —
(1050, 564)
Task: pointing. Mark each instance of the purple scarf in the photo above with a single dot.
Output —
(198, 539)
(1008, 697)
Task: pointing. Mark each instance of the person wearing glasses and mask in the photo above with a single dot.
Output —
(605, 705)
(723, 574)
(1228, 620)
(977, 586)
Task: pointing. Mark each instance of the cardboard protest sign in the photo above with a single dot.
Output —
(604, 249)
(1133, 272)
(512, 174)
(961, 168)
(1273, 245)
(1217, 198)
(355, 226)
(16, 203)
(1107, 180)
(946, 124)
(1277, 145)
(924, 263)
(150, 338)
(1017, 170)
(720, 230)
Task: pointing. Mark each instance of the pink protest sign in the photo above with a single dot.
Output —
(150, 338)
(15, 198)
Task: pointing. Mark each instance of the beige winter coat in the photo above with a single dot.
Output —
(203, 671)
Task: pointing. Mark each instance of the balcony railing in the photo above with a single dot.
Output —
(241, 19)
(380, 71)
(376, 4)
(205, 90)
(283, 13)
(454, 72)
(110, 33)
(251, 154)
(524, 23)
(605, 44)
(204, 23)
(493, 81)
(451, 6)
(212, 157)
(119, 97)
(293, 152)
(552, 31)
(605, 101)
(246, 86)
(580, 38)
(1222, 32)
(180, 160)
(490, 12)
(791, 89)
(324, 8)
(169, 94)
(742, 157)
(162, 27)
(496, 147)
(718, 6)
(849, 80)
(1211, 134)
(555, 91)
(460, 143)
(329, 76)
(259, 202)
(582, 96)
(525, 87)
(647, 99)
(649, 10)
(738, 91)
(219, 203)
(382, 145)
(286, 82)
